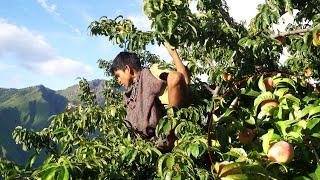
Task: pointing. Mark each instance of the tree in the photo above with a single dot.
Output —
(92, 142)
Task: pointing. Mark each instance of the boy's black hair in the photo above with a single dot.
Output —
(123, 59)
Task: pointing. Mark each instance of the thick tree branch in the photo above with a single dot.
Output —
(298, 31)
(208, 88)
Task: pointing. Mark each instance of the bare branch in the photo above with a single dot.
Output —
(316, 154)
(208, 88)
(234, 103)
(298, 31)
(216, 90)
(212, 91)
(231, 106)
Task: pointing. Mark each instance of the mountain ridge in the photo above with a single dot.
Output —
(31, 107)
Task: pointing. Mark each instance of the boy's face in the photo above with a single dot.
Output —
(124, 76)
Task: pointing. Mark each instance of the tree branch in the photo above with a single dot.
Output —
(208, 88)
(216, 91)
(298, 31)
(315, 154)
(234, 103)
(231, 106)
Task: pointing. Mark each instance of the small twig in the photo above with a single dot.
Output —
(208, 88)
(298, 31)
(234, 103)
(216, 90)
(316, 154)
(212, 91)
(231, 106)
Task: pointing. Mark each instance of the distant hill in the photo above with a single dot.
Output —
(72, 92)
(31, 107)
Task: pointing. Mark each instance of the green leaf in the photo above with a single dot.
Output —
(283, 125)
(314, 110)
(161, 4)
(262, 97)
(316, 135)
(133, 156)
(230, 167)
(266, 140)
(177, 177)
(63, 174)
(312, 123)
(49, 174)
(261, 84)
(237, 152)
(295, 136)
(31, 161)
(251, 121)
(167, 127)
(60, 130)
(170, 161)
(304, 111)
(168, 175)
(194, 149)
(160, 163)
(250, 92)
(202, 174)
(281, 91)
(317, 172)
(280, 82)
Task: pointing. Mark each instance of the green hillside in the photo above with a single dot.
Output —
(28, 107)
(31, 108)
(71, 93)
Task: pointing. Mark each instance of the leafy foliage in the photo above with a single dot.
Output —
(92, 142)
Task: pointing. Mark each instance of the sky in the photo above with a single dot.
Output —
(48, 42)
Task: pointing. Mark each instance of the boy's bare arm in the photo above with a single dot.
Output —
(178, 63)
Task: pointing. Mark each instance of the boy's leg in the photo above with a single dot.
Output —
(177, 90)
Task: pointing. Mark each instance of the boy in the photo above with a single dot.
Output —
(143, 89)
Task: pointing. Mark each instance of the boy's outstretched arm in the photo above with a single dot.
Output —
(178, 63)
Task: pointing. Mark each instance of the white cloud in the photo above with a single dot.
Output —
(243, 10)
(285, 19)
(51, 8)
(239, 10)
(162, 52)
(193, 6)
(34, 53)
(141, 22)
(63, 66)
(5, 66)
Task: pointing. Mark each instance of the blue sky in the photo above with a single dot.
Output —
(47, 41)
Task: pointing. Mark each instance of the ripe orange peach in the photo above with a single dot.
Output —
(281, 152)
(268, 82)
(270, 102)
